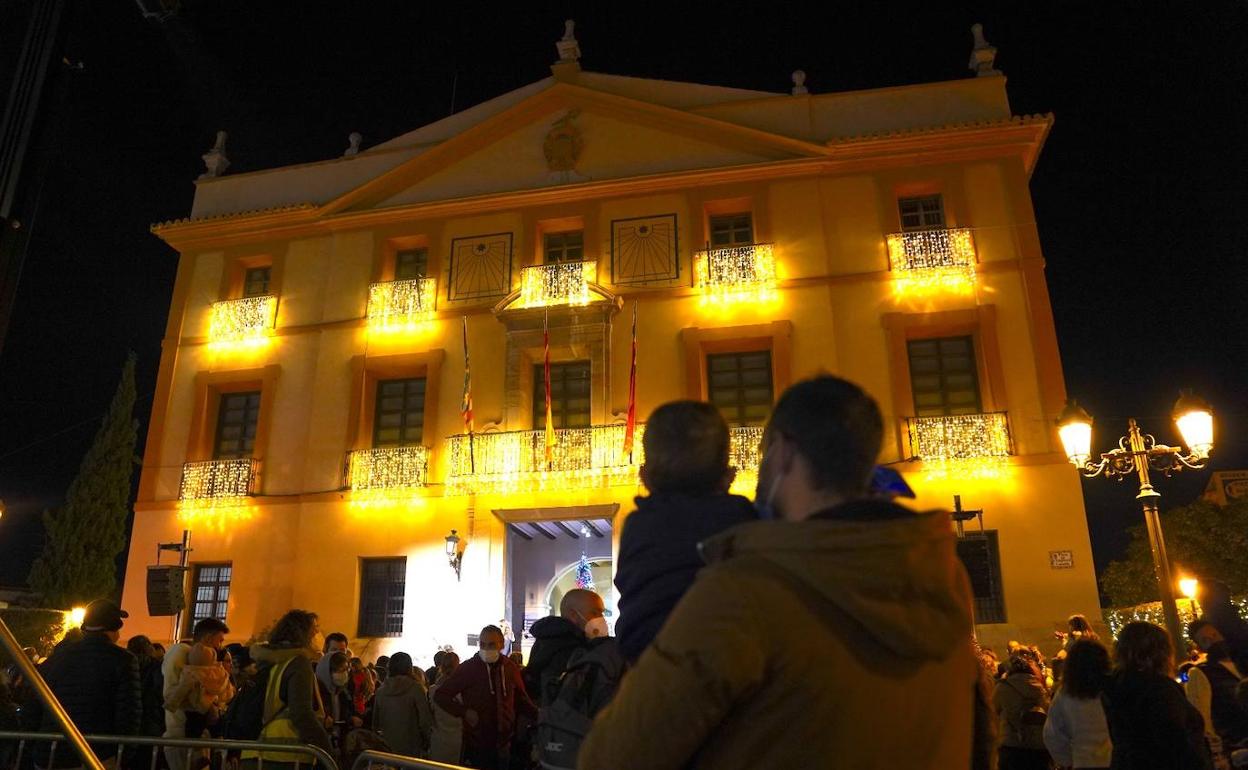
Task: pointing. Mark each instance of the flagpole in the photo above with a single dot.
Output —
(630, 424)
(465, 407)
(550, 427)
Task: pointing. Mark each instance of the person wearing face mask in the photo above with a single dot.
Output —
(491, 693)
(1211, 687)
(687, 476)
(340, 713)
(558, 636)
(837, 635)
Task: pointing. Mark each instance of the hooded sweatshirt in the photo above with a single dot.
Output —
(843, 640)
(402, 715)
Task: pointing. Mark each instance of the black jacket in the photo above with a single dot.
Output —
(152, 683)
(98, 684)
(1152, 724)
(659, 558)
(555, 639)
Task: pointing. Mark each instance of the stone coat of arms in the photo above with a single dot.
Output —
(563, 143)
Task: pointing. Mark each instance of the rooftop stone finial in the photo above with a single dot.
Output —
(215, 162)
(983, 54)
(353, 144)
(799, 83)
(569, 50)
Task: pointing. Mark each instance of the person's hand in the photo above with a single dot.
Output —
(357, 722)
(329, 722)
(471, 718)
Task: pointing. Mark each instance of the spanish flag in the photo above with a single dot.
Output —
(465, 406)
(550, 421)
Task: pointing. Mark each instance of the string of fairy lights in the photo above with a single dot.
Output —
(927, 260)
(558, 283)
(735, 272)
(248, 319)
(960, 437)
(396, 306)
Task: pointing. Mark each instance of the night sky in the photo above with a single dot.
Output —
(1141, 192)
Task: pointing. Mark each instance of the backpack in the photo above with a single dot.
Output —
(1031, 725)
(588, 684)
(244, 717)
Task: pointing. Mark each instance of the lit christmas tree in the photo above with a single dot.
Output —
(584, 574)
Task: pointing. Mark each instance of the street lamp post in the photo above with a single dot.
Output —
(1139, 454)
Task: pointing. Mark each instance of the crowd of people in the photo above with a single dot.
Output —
(822, 625)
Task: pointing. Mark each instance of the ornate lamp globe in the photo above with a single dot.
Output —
(1194, 417)
(1074, 426)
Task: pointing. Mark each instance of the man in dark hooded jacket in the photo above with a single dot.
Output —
(556, 638)
(687, 474)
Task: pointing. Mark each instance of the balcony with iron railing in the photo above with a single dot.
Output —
(581, 458)
(400, 305)
(960, 437)
(245, 321)
(387, 470)
(218, 481)
(557, 283)
(735, 272)
(937, 258)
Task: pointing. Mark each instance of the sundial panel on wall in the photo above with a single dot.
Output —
(644, 249)
(480, 267)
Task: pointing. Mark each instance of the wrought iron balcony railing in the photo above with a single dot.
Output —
(558, 283)
(933, 257)
(399, 305)
(242, 321)
(582, 458)
(388, 468)
(748, 270)
(960, 437)
(218, 480)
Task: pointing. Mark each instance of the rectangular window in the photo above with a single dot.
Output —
(382, 584)
(944, 376)
(256, 281)
(982, 558)
(732, 230)
(564, 247)
(924, 213)
(210, 592)
(399, 414)
(740, 386)
(410, 264)
(569, 395)
(237, 416)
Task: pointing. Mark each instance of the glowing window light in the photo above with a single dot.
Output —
(218, 482)
(744, 454)
(927, 260)
(736, 273)
(960, 437)
(559, 283)
(388, 468)
(400, 305)
(246, 321)
(515, 461)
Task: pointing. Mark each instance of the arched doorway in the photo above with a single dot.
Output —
(565, 580)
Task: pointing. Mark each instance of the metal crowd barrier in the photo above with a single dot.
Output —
(375, 760)
(317, 757)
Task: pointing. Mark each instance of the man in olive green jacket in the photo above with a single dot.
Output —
(839, 637)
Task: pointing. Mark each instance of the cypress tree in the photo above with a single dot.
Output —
(84, 536)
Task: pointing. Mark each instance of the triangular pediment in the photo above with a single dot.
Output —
(567, 135)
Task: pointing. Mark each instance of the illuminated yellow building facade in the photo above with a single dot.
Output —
(307, 426)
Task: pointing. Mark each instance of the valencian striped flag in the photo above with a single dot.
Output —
(550, 422)
(630, 427)
(465, 406)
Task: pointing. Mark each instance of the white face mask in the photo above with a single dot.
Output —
(488, 656)
(596, 628)
(340, 678)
